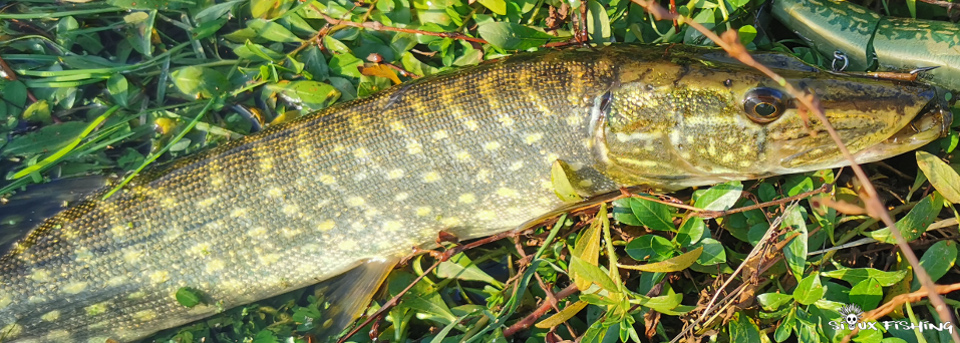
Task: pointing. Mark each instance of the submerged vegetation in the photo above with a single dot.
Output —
(111, 87)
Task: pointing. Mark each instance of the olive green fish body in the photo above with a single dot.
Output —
(468, 152)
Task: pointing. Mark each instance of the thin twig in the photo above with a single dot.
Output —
(525, 323)
(377, 26)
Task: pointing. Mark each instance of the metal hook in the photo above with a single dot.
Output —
(922, 69)
(839, 56)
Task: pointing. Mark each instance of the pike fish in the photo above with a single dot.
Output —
(359, 184)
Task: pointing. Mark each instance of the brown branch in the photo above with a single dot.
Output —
(377, 26)
(530, 319)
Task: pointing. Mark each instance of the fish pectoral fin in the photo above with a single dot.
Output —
(25, 210)
(349, 294)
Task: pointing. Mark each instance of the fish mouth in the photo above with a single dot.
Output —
(932, 122)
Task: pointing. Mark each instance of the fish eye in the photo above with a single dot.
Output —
(763, 105)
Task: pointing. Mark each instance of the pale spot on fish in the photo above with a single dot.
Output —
(40, 275)
(326, 225)
(238, 212)
(348, 245)
(97, 309)
(450, 221)
(257, 232)
(214, 266)
(585, 183)
(546, 184)
(491, 146)
(516, 166)
(463, 156)
(507, 192)
(471, 125)
(361, 152)
(75, 287)
(5, 301)
(744, 163)
(574, 120)
(275, 192)
(440, 135)
(392, 226)
(118, 230)
(414, 148)
(468, 198)
(216, 181)
(159, 277)
(291, 210)
(83, 255)
(431, 176)
(116, 281)
(728, 157)
(326, 179)
(401, 196)
(269, 259)
(486, 215)
(533, 138)
(58, 336)
(145, 315)
(423, 211)
(483, 175)
(266, 164)
(394, 174)
(355, 201)
(137, 295)
(51, 316)
(397, 125)
(290, 233)
(506, 121)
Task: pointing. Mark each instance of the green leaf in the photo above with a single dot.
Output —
(773, 301)
(743, 330)
(809, 290)
(598, 23)
(795, 252)
(119, 89)
(495, 6)
(560, 317)
(199, 82)
(46, 139)
(257, 52)
(786, 326)
(591, 274)
(720, 197)
(866, 293)
(675, 264)
(915, 223)
(653, 215)
(691, 231)
(461, 267)
(511, 36)
(267, 9)
(663, 303)
(311, 94)
(713, 252)
(38, 112)
(649, 247)
(855, 276)
(941, 176)
(747, 34)
(346, 64)
(272, 31)
(188, 297)
(623, 214)
(265, 336)
(938, 260)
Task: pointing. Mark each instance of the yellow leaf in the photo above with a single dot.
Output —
(381, 71)
(675, 264)
(560, 178)
(562, 316)
(587, 248)
(940, 175)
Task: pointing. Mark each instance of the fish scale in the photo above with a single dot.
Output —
(468, 152)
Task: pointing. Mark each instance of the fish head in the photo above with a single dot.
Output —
(678, 122)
